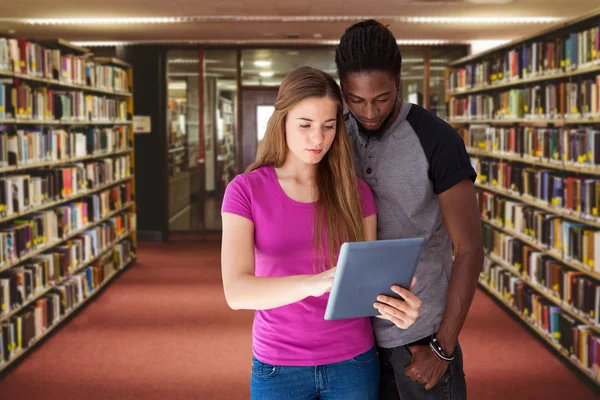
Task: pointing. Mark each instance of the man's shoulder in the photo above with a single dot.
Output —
(423, 120)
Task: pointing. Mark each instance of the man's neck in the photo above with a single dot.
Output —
(395, 114)
(390, 121)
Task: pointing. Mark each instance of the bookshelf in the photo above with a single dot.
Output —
(529, 114)
(67, 187)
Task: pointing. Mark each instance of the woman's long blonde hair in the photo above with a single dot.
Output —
(338, 205)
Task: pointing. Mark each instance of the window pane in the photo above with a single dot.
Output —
(268, 67)
(413, 75)
(439, 60)
(263, 113)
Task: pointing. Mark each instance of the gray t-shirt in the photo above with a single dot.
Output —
(418, 157)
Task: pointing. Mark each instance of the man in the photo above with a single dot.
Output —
(422, 179)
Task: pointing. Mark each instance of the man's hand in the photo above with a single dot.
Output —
(425, 367)
(402, 313)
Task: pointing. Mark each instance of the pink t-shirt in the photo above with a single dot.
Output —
(296, 334)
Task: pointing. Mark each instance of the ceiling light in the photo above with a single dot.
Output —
(276, 18)
(266, 74)
(264, 42)
(179, 85)
(262, 63)
(106, 21)
(478, 20)
(101, 44)
(183, 61)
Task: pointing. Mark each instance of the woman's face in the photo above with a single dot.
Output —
(310, 129)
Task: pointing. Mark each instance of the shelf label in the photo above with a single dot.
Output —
(141, 124)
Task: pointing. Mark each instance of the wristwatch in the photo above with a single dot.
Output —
(438, 351)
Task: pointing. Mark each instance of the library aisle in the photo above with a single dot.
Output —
(164, 331)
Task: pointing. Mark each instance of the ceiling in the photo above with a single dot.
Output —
(280, 21)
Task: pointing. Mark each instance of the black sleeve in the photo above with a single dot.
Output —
(445, 150)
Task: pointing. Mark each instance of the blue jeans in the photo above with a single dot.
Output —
(353, 379)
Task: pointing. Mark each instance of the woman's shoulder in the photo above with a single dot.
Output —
(362, 185)
(250, 181)
(366, 197)
(255, 177)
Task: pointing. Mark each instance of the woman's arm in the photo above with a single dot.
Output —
(244, 290)
(370, 223)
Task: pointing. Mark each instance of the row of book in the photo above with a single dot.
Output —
(577, 340)
(26, 101)
(560, 146)
(21, 331)
(570, 100)
(565, 239)
(574, 288)
(21, 284)
(575, 195)
(30, 146)
(22, 193)
(34, 231)
(34, 60)
(577, 50)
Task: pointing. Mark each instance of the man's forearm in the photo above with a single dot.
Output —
(461, 290)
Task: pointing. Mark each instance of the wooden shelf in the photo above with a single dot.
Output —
(547, 293)
(554, 253)
(68, 236)
(71, 273)
(550, 31)
(543, 335)
(526, 122)
(65, 200)
(128, 210)
(22, 121)
(559, 165)
(24, 167)
(63, 45)
(518, 82)
(62, 84)
(17, 356)
(112, 61)
(542, 205)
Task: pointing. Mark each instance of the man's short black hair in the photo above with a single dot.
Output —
(368, 46)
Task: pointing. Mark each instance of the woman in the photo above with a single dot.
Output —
(284, 221)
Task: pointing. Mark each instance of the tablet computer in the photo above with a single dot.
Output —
(367, 269)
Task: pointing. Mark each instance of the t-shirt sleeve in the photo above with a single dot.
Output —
(450, 162)
(366, 198)
(237, 199)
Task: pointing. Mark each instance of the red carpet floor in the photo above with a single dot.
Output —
(162, 330)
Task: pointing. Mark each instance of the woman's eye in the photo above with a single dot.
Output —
(356, 101)
(304, 126)
(330, 127)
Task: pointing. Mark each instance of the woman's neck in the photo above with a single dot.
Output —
(299, 171)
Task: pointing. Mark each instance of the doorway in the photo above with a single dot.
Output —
(257, 107)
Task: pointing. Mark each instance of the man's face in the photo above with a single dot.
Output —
(371, 97)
